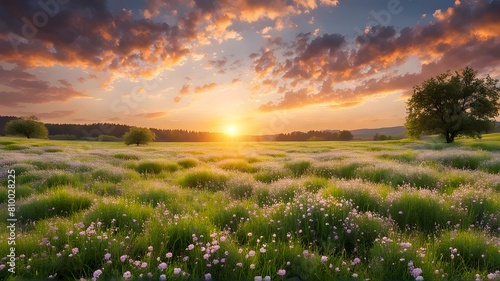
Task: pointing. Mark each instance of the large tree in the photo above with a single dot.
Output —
(453, 105)
(29, 127)
(138, 136)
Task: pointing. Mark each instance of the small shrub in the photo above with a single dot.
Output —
(403, 157)
(12, 147)
(60, 179)
(187, 163)
(482, 207)
(52, 150)
(204, 179)
(363, 196)
(50, 165)
(229, 218)
(240, 188)
(298, 168)
(155, 167)
(22, 191)
(106, 188)
(391, 258)
(337, 170)
(315, 184)
(120, 216)
(423, 210)
(491, 166)
(155, 196)
(57, 203)
(237, 165)
(107, 175)
(469, 250)
(124, 156)
(269, 175)
(178, 236)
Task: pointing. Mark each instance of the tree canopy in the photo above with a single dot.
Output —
(453, 105)
(29, 126)
(138, 136)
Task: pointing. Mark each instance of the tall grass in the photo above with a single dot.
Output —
(308, 211)
(149, 167)
(422, 210)
(61, 203)
(204, 179)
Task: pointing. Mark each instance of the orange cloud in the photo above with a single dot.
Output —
(307, 70)
(25, 88)
(205, 88)
(151, 115)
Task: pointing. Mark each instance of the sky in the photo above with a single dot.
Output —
(245, 66)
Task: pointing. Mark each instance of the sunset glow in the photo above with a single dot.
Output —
(231, 130)
(271, 66)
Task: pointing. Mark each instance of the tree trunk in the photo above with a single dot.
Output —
(450, 137)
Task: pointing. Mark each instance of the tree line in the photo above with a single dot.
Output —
(343, 135)
(31, 127)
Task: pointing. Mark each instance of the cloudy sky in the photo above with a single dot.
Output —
(262, 66)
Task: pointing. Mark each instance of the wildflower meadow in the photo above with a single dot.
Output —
(385, 210)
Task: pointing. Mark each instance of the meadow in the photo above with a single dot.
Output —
(389, 210)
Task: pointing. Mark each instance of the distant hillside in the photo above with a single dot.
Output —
(394, 132)
(365, 134)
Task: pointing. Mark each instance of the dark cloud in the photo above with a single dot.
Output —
(86, 34)
(219, 64)
(310, 69)
(21, 87)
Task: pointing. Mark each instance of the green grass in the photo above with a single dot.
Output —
(124, 156)
(187, 163)
(204, 179)
(319, 210)
(148, 167)
(422, 211)
(61, 203)
(240, 165)
(11, 147)
(468, 250)
(298, 168)
(124, 216)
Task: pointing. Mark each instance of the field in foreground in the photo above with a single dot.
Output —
(253, 211)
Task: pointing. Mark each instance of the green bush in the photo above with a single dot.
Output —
(422, 210)
(314, 184)
(187, 163)
(119, 216)
(125, 156)
(298, 168)
(240, 188)
(211, 180)
(468, 250)
(61, 202)
(155, 167)
(240, 165)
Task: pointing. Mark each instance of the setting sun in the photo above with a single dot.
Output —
(231, 130)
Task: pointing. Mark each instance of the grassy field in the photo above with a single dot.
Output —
(394, 210)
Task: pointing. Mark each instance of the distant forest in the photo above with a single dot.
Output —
(114, 132)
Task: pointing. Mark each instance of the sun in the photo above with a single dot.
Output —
(231, 130)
